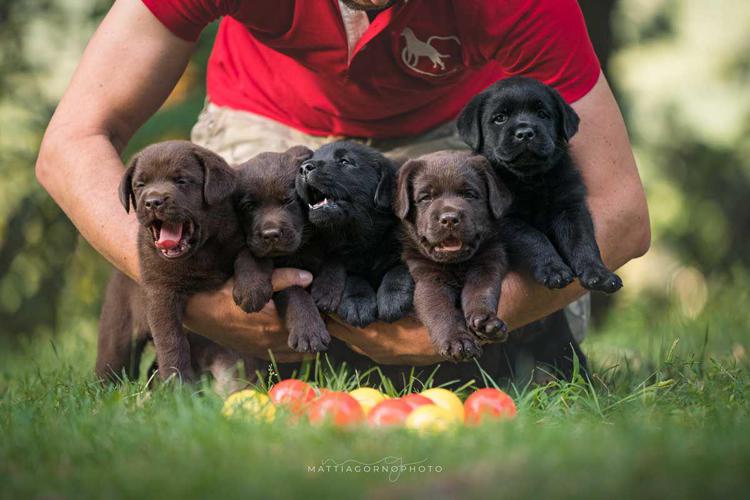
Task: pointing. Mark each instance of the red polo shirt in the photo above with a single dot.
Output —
(324, 69)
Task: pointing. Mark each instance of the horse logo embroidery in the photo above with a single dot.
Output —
(415, 49)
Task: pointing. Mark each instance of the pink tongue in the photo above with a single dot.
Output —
(169, 236)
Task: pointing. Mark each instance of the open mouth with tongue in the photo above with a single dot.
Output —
(172, 239)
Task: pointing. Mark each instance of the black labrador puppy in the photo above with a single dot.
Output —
(189, 240)
(348, 188)
(278, 234)
(523, 127)
(450, 204)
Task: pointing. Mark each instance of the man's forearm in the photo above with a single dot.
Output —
(82, 174)
(620, 239)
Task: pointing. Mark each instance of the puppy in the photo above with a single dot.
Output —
(523, 127)
(189, 240)
(348, 188)
(450, 203)
(277, 232)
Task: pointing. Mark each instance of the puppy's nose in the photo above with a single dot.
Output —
(270, 235)
(154, 201)
(306, 167)
(524, 134)
(450, 219)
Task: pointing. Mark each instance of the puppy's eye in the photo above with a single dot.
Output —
(181, 181)
(543, 114)
(290, 200)
(471, 195)
(138, 185)
(247, 205)
(345, 163)
(424, 197)
(500, 118)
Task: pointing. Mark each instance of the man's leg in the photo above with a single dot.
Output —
(237, 135)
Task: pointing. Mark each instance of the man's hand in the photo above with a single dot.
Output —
(216, 316)
(405, 342)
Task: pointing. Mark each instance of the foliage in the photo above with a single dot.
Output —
(49, 276)
(682, 69)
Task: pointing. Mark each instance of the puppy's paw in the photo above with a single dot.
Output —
(252, 296)
(487, 326)
(553, 275)
(326, 296)
(394, 305)
(358, 310)
(395, 294)
(600, 279)
(312, 339)
(463, 346)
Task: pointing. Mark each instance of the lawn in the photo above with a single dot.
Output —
(666, 416)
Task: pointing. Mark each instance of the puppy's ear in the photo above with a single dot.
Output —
(219, 180)
(469, 123)
(126, 186)
(298, 154)
(498, 195)
(569, 119)
(386, 185)
(402, 203)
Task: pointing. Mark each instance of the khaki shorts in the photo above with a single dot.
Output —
(237, 136)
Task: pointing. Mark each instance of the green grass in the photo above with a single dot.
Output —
(665, 416)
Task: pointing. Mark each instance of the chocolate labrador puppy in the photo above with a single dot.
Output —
(348, 188)
(278, 234)
(450, 204)
(523, 127)
(189, 240)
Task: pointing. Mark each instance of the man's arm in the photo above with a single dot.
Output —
(602, 151)
(127, 71)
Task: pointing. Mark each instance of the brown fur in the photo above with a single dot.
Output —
(172, 182)
(276, 228)
(450, 203)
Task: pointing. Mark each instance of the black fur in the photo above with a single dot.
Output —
(523, 127)
(362, 278)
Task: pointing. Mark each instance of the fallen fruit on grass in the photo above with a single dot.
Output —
(430, 418)
(367, 397)
(488, 404)
(339, 408)
(292, 394)
(416, 400)
(249, 403)
(389, 413)
(447, 400)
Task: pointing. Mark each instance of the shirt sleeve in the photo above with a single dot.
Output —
(543, 39)
(187, 18)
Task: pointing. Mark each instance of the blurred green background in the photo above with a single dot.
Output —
(681, 71)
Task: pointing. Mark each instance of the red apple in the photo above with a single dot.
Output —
(389, 413)
(490, 404)
(339, 408)
(292, 394)
(415, 400)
